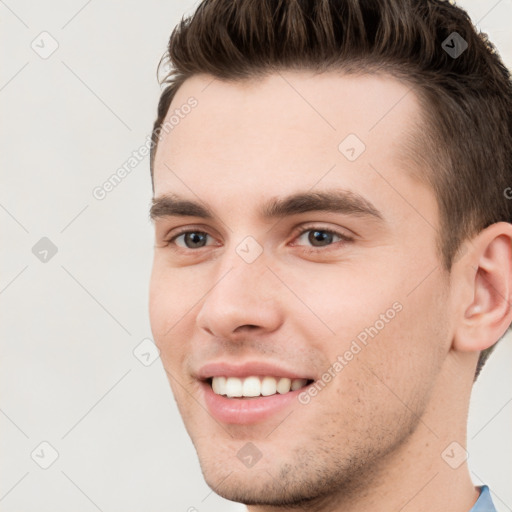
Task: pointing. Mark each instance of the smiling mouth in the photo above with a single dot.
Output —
(255, 386)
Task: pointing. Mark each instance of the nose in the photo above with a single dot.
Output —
(242, 301)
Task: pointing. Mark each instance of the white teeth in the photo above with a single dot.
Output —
(233, 387)
(284, 385)
(251, 386)
(219, 385)
(268, 386)
(254, 386)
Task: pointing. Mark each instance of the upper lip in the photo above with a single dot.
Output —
(248, 369)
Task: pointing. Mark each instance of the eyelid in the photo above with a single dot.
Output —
(169, 238)
(345, 238)
(345, 234)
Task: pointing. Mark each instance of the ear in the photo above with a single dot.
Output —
(484, 281)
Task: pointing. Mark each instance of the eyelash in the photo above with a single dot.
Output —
(344, 239)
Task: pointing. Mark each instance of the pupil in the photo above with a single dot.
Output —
(194, 238)
(314, 238)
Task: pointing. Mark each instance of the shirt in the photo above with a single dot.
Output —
(484, 502)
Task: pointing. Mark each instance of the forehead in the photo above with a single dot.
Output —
(289, 130)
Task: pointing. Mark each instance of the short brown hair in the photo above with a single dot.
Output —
(465, 152)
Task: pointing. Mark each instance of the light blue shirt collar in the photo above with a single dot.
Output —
(484, 502)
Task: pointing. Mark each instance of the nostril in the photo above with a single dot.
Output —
(249, 327)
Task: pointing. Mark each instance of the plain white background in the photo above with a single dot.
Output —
(69, 326)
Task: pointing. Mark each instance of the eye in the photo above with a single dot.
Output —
(192, 239)
(319, 237)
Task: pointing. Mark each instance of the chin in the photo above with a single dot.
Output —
(266, 488)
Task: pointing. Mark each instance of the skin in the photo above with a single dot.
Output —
(374, 436)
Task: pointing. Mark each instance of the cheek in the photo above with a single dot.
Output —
(167, 315)
(408, 353)
(384, 322)
(159, 307)
(170, 298)
(348, 300)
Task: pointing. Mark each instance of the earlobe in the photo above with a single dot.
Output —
(487, 308)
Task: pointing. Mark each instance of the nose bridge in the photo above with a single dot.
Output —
(241, 292)
(241, 269)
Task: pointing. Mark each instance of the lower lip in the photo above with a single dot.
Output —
(243, 411)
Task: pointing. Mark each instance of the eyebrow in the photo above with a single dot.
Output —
(337, 201)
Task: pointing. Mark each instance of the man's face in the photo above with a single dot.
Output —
(359, 296)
